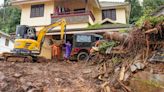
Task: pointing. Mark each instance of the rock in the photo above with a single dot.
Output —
(34, 90)
(151, 71)
(139, 65)
(17, 75)
(133, 68)
(2, 58)
(116, 69)
(2, 76)
(58, 79)
(20, 90)
(127, 75)
(147, 82)
(86, 71)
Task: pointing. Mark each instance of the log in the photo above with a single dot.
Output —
(105, 87)
(124, 86)
(122, 73)
(154, 30)
(116, 36)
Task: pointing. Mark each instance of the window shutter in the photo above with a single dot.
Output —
(37, 10)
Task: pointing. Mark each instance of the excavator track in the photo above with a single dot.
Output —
(12, 57)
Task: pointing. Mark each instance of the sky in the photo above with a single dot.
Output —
(1, 2)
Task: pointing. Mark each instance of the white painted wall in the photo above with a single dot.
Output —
(121, 15)
(37, 21)
(4, 48)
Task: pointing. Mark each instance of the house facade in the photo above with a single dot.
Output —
(79, 15)
(6, 44)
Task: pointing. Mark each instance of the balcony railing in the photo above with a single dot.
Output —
(74, 17)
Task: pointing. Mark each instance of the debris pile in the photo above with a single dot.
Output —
(122, 61)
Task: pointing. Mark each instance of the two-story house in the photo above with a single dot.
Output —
(79, 14)
(6, 44)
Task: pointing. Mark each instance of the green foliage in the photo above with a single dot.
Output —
(123, 31)
(140, 13)
(136, 10)
(150, 82)
(103, 46)
(9, 18)
(116, 60)
(153, 19)
(95, 26)
(150, 5)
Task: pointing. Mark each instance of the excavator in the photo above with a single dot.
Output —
(27, 45)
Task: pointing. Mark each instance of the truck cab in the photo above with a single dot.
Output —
(81, 45)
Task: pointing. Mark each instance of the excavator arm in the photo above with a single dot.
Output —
(42, 32)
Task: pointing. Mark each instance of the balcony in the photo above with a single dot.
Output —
(74, 17)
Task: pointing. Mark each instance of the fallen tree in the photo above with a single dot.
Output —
(117, 69)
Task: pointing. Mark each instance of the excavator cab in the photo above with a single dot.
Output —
(25, 32)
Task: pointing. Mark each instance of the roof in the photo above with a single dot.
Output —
(106, 4)
(103, 28)
(18, 2)
(158, 10)
(4, 34)
(7, 35)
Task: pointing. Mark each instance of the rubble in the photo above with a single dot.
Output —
(118, 65)
(17, 75)
(129, 55)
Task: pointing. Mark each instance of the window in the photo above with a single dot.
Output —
(7, 42)
(110, 13)
(83, 38)
(37, 10)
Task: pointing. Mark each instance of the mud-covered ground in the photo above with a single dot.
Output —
(46, 77)
(63, 77)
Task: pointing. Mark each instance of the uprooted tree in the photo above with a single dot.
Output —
(127, 53)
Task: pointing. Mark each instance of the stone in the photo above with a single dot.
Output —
(127, 75)
(133, 68)
(17, 75)
(34, 90)
(116, 69)
(2, 76)
(139, 65)
(86, 71)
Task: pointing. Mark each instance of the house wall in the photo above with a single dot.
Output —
(37, 21)
(71, 4)
(98, 15)
(4, 48)
(120, 15)
(49, 9)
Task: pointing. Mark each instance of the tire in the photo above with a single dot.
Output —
(82, 56)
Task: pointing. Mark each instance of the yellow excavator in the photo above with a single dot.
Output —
(27, 45)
